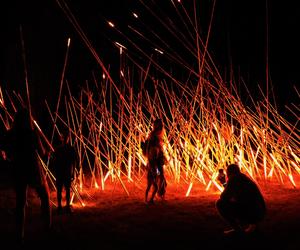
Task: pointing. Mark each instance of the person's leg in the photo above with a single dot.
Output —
(229, 212)
(67, 185)
(149, 184)
(161, 186)
(44, 194)
(21, 197)
(59, 187)
(252, 216)
(155, 188)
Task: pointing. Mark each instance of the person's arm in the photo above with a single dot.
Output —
(229, 191)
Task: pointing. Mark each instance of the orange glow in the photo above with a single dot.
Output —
(207, 125)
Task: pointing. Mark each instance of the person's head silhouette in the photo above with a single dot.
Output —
(233, 169)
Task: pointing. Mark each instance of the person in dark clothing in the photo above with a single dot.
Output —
(23, 147)
(241, 203)
(221, 177)
(153, 150)
(65, 159)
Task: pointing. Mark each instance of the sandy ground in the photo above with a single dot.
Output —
(113, 220)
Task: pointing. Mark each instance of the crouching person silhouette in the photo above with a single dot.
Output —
(241, 203)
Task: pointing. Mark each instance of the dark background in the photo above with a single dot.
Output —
(238, 41)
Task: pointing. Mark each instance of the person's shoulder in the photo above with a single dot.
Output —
(70, 147)
(245, 177)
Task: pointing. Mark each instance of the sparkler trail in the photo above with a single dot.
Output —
(207, 124)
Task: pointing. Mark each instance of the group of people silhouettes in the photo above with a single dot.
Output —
(25, 152)
(241, 203)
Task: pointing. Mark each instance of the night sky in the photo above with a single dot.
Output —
(238, 38)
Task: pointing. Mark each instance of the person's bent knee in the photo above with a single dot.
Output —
(220, 204)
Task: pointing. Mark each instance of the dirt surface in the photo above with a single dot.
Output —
(113, 220)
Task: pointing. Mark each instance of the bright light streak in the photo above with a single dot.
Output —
(69, 41)
(271, 173)
(120, 45)
(293, 154)
(294, 164)
(129, 167)
(38, 127)
(292, 179)
(201, 176)
(159, 51)
(208, 185)
(106, 176)
(197, 146)
(189, 189)
(1, 98)
(111, 24)
(219, 187)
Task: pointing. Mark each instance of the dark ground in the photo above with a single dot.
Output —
(112, 220)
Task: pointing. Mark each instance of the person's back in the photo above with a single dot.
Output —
(24, 147)
(241, 203)
(64, 161)
(245, 191)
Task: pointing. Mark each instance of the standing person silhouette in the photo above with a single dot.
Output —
(65, 159)
(24, 147)
(241, 203)
(152, 148)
